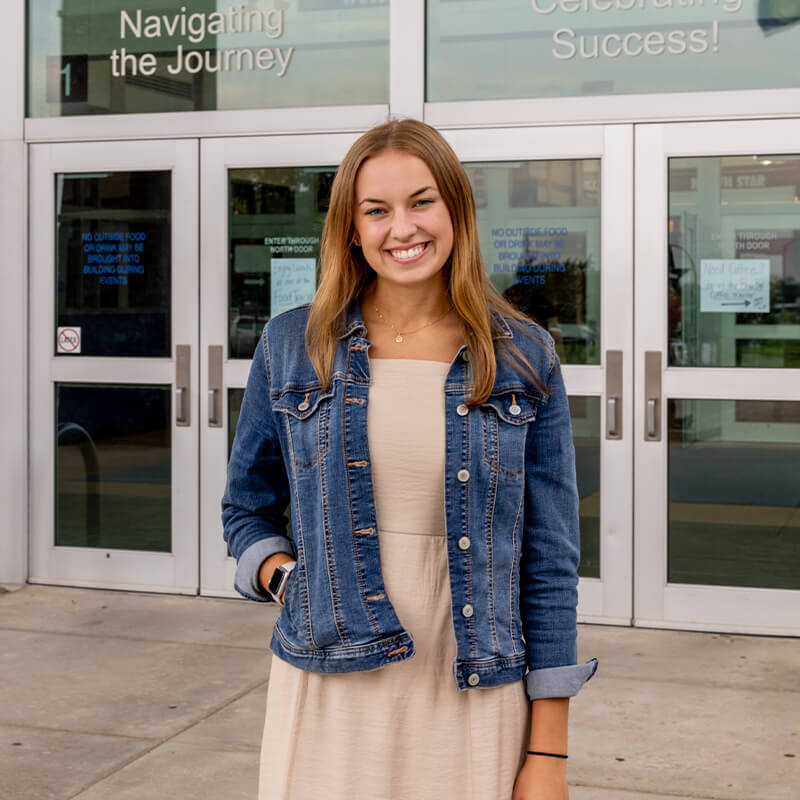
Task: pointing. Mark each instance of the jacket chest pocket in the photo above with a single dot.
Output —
(504, 418)
(307, 416)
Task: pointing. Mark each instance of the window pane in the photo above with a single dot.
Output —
(276, 218)
(496, 49)
(585, 414)
(734, 494)
(734, 261)
(113, 467)
(113, 242)
(539, 224)
(114, 57)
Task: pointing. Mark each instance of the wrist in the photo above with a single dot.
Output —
(268, 567)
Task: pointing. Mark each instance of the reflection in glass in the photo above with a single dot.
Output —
(112, 57)
(585, 414)
(539, 225)
(113, 262)
(734, 261)
(113, 467)
(734, 493)
(276, 218)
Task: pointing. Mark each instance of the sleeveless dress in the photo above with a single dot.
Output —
(403, 732)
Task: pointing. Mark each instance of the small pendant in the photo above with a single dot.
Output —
(398, 338)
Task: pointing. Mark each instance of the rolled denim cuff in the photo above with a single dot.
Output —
(559, 681)
(245, 580)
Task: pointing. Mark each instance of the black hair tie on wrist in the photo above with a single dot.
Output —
(552, 755)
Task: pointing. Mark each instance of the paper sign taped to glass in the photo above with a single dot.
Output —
(734, 285)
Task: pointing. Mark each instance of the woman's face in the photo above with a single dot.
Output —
(402, 223)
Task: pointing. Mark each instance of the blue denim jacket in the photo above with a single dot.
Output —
(511, 513)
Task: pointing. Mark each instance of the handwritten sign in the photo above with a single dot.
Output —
(292, 283)
(738, 285)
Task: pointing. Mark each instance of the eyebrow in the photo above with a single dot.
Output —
(413, 194)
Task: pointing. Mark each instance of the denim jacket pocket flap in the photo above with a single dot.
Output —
(514, 406)
(301, 402)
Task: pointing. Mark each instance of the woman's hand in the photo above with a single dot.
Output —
(541, 778)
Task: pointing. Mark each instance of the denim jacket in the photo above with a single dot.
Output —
(511, 513)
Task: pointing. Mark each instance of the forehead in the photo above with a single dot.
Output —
(391, 174)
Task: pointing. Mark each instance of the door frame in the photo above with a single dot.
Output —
(176, 571)
(607, 599)
(217, 156)
(657, 603)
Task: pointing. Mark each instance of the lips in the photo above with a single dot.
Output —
(409, 253)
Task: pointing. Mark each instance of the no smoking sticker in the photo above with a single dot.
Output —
(68, 340)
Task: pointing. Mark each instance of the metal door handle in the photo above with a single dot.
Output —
(612, 418)
(182, 381)
(180, 399)
(652, 395)
(651, 417)
(215, 386)
(213, 422)
(613, 394)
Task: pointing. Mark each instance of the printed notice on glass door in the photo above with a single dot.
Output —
(292, 283)
(739, 285)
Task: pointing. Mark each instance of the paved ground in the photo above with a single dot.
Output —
(134, 697)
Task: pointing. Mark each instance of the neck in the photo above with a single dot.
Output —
(406, 306)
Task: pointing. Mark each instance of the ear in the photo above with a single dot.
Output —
(356, 239)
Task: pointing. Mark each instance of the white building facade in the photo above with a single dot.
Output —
(165, 172)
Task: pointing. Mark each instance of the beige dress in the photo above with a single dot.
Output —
(403, 732)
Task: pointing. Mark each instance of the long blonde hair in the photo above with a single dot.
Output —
(345, 273)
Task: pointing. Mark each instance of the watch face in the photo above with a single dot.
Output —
(275, 580)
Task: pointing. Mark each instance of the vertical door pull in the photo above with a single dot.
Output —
(183, 374)
(613, 394)
(652, 395)
(215, 386)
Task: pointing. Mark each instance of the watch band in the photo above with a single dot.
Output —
(277, 583)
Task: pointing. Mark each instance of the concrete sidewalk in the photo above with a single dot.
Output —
(139, 697)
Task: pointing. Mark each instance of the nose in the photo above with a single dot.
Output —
(403, 225)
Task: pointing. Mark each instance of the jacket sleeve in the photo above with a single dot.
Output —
(257, 489)
(551, 550)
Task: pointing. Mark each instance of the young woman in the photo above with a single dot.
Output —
(417, 426)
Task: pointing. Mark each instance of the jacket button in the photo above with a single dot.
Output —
(303, 406)
(515, 410)
(463, 475)
(463, 543)
(462, 410)
(468, 611)
(474, 679)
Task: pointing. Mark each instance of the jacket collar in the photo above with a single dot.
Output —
(356, 324)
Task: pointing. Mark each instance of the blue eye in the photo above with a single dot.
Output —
(373, 212)
(424, 201)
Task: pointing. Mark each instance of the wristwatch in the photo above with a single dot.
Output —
(277, 583)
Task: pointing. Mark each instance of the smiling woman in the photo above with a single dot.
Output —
(422, 435)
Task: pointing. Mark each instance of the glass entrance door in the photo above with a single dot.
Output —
(264, 204)
(717, 433)
(555, 210)
(113, 340)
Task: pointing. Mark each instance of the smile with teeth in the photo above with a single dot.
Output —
(409, 253)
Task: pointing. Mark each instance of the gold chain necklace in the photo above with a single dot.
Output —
(398, 335)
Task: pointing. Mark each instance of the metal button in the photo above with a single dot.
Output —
(463, 475)
(515, 410)
(463, 543)
(462, 410)
(468, 611)
(474, 679)
(303, 406)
